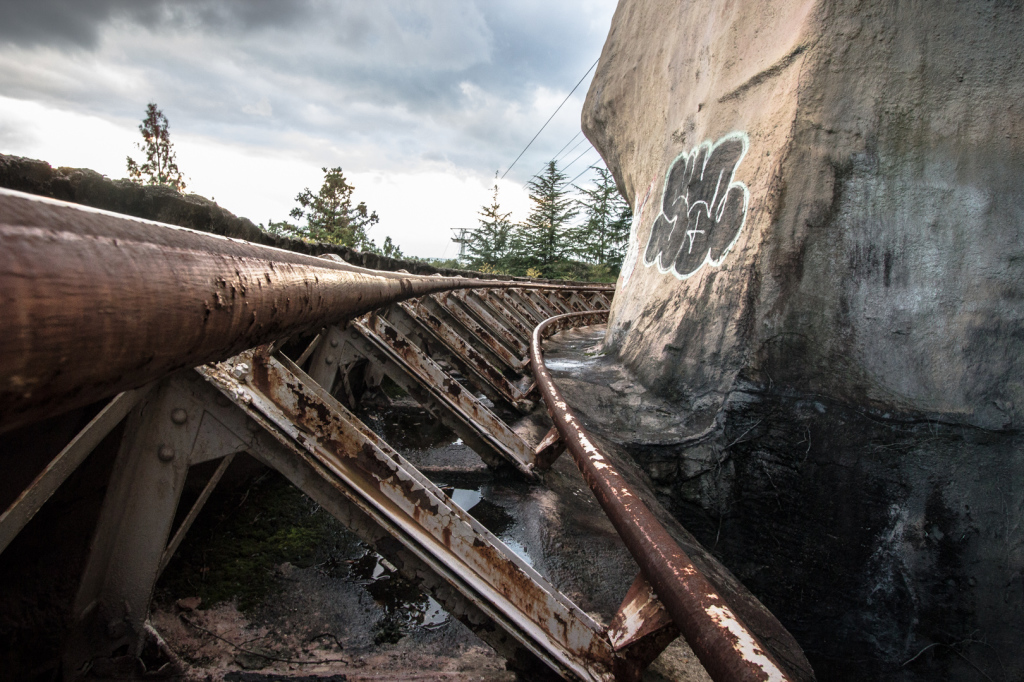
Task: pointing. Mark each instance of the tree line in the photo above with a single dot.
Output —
(551, 242)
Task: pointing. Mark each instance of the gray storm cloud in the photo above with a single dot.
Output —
(454, 80)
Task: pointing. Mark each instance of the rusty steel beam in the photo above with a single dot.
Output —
(140, 299)
(469, 356)
(547, 307)
(404, 361)
(474, 330)
(525, 309)
(557, 301)
(500, 329)
(46, 483)
(379, 480)
(503, 313)
(726, 647)
(541, 310)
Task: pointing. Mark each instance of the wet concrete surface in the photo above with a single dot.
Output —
(346, 612)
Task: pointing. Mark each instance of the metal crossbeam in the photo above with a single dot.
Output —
(377, 479)
(431, 386)
(471, 359)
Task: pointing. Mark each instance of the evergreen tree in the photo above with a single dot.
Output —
(331, 217)
(543, 235)
(490, 244)
(389, 249)
(601, 239)
(160, 167)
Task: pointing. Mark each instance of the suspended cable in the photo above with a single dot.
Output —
(549, 119)
(581, 173)
(555, 157)
(585, 151)
(574, 146)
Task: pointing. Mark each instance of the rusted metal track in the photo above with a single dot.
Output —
(376, 478)
(141, 299)
(724, 644)
(412, 369)
(94, 303)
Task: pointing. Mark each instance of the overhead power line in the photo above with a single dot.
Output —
(555, 157)
(585, 151)
(590, 148)
(591, 167)
(574, 147)
(549, 119)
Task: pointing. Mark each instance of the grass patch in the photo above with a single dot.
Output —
(242, 536)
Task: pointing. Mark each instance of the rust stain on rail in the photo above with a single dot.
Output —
(726, 647)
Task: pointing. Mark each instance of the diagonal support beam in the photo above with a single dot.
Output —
(434, 388)
(505, 329)
(383, 485)
(641, 629)
(476, 363)
(31, 500)
(474, 330)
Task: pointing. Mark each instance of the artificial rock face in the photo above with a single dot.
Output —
(827, 263)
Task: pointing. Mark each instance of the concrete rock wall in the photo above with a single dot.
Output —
(827, 264)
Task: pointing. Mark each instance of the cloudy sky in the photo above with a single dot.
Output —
(419, 102)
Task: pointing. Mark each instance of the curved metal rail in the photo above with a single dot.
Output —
(93, 303)
(725, 646)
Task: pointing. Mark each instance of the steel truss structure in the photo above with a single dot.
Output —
(187, 330)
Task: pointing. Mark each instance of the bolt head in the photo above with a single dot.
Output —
(165, 453)
(334, 343)
(329, 359)
(240, 371)
(179, 416)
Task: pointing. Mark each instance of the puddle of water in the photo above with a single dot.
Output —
(405, 606)
(467, 499)
(566, 365)
(491, 516)
(518, 548)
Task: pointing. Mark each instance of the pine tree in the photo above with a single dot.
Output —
(601, 239)
(331, 217)
(388, 248)
(543, 234)
(160, 167)
(490, 243)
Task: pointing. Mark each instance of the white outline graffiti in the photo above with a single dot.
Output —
(714, 205)
(633, 248)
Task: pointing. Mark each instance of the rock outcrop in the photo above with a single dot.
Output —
(827, 268)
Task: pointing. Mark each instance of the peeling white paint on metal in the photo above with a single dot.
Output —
(745, 644)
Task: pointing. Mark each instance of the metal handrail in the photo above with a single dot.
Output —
(93, 303)
(726, 647)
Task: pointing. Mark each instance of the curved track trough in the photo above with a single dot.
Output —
(205, 347)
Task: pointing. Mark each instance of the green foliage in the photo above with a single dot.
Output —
(491, 243)
(282, 228)
(232, 550)
(542, 238)
(388, 248)
(488, 269)
(548, 244)
(160, 167)
(601, 239)
(330, 215)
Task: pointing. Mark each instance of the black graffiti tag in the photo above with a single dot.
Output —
(702, 208)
